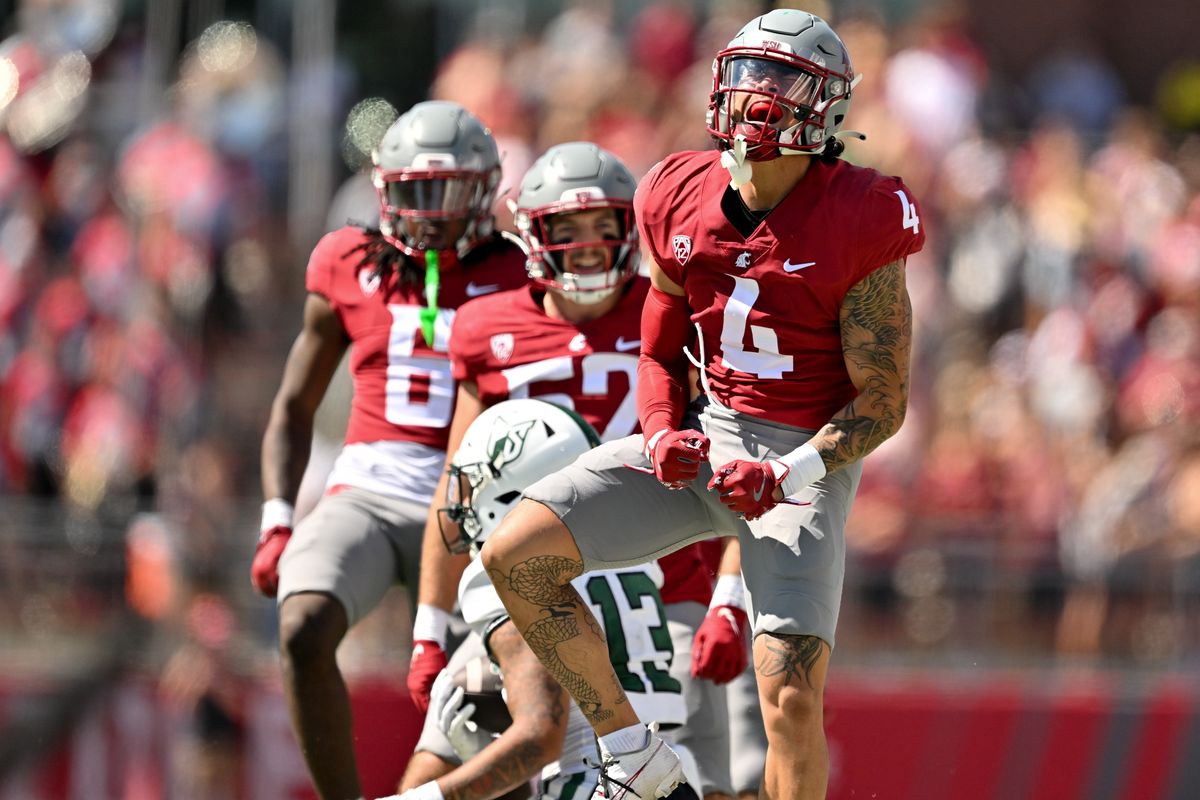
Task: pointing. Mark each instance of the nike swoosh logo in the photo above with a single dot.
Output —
(474, 291)
(788, 266)
(758, 493)
(625, 346)
(728, 616)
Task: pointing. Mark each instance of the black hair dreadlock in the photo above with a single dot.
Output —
(381, 254)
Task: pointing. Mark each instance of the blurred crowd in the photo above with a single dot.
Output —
(1042, 498)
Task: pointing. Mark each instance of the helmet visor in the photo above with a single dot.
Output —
(434, 195)
(796, 87)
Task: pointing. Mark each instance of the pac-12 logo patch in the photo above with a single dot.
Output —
(368, 281)
(502, 347)
(683, 248)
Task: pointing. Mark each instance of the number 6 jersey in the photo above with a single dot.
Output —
(767, 305)
(403, 390)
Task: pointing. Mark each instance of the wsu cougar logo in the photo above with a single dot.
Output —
(507, 442)
(683, 248)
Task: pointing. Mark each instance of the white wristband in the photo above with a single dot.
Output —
(430, 625)
(798, 469)
(653, 440)
(276, 512)
(729, 591)
(426, 791)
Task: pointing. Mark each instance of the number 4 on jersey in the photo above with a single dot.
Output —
(909, 213)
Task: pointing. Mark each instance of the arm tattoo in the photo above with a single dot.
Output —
(544, 581)
(791, 657)
(533, 696)
(522, 762)
(876, 323)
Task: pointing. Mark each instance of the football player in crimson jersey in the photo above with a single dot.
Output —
(787, 265)
(572, 337)
(390, 296)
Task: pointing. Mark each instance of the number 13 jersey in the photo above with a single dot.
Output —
(768, 305)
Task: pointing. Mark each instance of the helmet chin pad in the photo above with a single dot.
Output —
(587, 290)
(760, 141)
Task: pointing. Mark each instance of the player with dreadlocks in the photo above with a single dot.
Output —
(390, 296)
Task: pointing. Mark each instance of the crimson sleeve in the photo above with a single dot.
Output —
(662, 368)
(318, 276)
(890, 226)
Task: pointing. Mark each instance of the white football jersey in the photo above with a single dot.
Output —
(627, 604)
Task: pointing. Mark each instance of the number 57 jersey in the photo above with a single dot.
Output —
(510, 348)
(768, 304)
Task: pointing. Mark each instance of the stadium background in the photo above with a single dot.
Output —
(1022, 613)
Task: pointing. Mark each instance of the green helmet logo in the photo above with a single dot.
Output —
(507, 448)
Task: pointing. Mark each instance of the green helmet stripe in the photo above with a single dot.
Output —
(589, 432)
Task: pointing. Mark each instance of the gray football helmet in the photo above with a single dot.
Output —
(436, 162)
(783, 83)
(507, 448)
(572, 177)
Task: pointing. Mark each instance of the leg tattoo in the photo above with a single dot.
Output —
(791, 657)
(544, 582)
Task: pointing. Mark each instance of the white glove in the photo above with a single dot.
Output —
(454, 719)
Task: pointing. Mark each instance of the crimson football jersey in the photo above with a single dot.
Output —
(767, 305)
(403, 389)
(507, 345)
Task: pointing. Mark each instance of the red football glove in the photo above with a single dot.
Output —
(677, 455)
(746, 487)
(264, 570)
(428, 659)
(719, 651)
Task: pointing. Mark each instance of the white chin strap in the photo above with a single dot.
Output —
(734, 160)
(588, 290)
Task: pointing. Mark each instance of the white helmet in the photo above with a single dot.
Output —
(508, 447)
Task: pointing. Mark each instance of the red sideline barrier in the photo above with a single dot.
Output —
(1050, 736)
(892, 736)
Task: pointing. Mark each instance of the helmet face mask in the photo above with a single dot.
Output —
(584, 252)
(460, 509)
(564, 239)
(436, 173)
(783, 85)
(506, 449)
